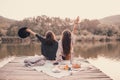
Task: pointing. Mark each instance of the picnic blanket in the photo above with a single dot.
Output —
(48, 68)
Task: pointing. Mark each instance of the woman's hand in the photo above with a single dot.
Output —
(77, 20)
(76, 24)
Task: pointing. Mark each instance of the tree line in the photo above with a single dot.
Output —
(41, 24)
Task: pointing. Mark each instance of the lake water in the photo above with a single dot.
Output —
(105, 56)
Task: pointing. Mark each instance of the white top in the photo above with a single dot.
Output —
(59, 53)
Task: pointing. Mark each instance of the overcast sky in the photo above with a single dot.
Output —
(90, 9)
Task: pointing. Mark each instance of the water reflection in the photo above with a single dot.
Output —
(86, 50)
(109, 50)
(19, 49)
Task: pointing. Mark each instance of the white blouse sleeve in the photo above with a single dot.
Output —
(72, 45)
(59, 51)
(73, 39)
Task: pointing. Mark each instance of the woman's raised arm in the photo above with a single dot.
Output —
(35, 34)
(75, 25)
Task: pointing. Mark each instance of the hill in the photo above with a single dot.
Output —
(5, 22)
(115, 19)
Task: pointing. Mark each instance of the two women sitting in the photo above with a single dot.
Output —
(52, 49)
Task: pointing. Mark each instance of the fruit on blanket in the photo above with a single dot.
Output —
(66, 67)
(75, 66)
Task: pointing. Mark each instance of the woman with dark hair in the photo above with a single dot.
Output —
(65, 44)
(49, 44)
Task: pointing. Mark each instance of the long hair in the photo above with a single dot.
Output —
(50, 38)
(66, 42)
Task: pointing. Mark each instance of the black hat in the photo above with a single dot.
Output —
(22, 33)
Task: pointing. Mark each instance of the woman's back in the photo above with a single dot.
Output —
(48, 50)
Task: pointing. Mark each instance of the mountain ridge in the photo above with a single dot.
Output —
(5, 22)
(114, 19)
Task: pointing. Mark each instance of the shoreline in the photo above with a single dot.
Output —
(79, 38)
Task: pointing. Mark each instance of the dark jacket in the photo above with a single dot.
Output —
(49, 51)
